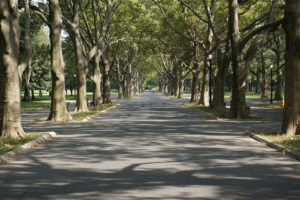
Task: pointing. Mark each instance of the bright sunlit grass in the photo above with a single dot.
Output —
(274, 105)
(289, 142)
(8, 144)
(249, 95)
(45, 101)
(35, 104)
(93, 111)
(224, 114)
(207, 110)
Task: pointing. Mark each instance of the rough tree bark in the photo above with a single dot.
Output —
(26, 82)
(279, 71)
(264, 84)
(291, 114)
(10, 111)
(204, 90)
(240, 66)
(106, 81)
(195, 83)
(58, 110)
(96, 81)
(81, 61)
(219, 90)
(26, 63)
(204, 93)
(238, 104)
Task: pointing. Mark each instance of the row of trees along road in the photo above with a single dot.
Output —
(242, 39)
(126, 43)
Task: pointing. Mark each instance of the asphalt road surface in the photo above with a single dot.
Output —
(151, 148)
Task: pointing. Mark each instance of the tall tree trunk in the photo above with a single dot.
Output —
(181, 85)
(96, 81)
(81, 63)
(264, 83)
(219, 90)
(26, 83)
(10, 111)
(106, 84)
(258, 81)
(195, 84)
(240, 66)
(58, 110)
(32, 94)
(120, 80)
(204, 91)
(27, 41)
(278, 89)
(291, 114)
(26, 63)
(238, 102)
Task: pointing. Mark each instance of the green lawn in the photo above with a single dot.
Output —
(249, 95)
(93, 111)
(8, 144)
(45, 101)
(274, 105)
(289, 142)
(225, 114)
(34, 104)
(207, 110)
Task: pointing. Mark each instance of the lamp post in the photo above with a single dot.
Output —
(271, 99)
(210, 79)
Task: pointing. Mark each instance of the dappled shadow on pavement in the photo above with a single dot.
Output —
(152, 148)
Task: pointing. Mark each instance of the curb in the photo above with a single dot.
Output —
(99, 113)
(275, 146)
(5, 158)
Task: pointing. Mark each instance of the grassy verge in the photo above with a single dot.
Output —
(172, 97)
(274, 105)
(8, 144)
(289, 142)
(224, 114)
(207, 110)
(249, 95)
(93, 111)
(35, 104)
(45, 101)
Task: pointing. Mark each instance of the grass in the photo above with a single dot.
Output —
(93, 111)
(289, 142)
(35, 104)
(249, 95)
(224, 114)
(274, 105)
(207, 110)
(8, 144)
(172, 97)
(45, 101)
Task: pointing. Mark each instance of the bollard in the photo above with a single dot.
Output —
(282, 103)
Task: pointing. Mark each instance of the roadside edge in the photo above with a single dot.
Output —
(273, 145)
(5, 158)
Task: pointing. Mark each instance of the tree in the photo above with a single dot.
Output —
(83, 57)
(58, 110)
(240, 63)
(10, 116)
(27, 50)
(291, 115)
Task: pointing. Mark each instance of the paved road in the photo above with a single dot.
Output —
(156, 149)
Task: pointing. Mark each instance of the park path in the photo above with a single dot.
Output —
(151, 148)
